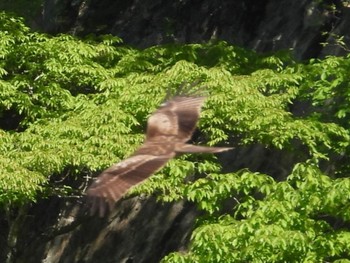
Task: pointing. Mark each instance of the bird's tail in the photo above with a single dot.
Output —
(190, 148)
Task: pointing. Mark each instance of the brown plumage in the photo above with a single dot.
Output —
(168, 130)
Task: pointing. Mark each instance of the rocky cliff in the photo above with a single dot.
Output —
(267, 25)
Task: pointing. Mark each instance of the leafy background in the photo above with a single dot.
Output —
(70, 107)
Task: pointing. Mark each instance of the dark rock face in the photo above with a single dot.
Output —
(260, 25)
(138, 230)
(147, 23)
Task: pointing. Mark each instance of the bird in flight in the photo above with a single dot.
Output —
(168, 130)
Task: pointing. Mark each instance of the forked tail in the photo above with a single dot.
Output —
(190, 148)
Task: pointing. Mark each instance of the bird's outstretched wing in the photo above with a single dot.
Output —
(176, 118)
(113, 182)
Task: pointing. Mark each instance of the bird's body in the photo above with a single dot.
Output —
(168, 130)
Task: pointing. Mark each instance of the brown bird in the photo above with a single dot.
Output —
(168, 130)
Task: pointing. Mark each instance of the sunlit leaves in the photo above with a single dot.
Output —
(328, 86)
(286, 223)
(18, 184)
(319, 193)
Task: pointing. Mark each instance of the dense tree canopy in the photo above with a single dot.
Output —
(71, 107)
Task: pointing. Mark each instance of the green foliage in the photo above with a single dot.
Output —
(83, 104)
(329, 87)
(287, 225)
